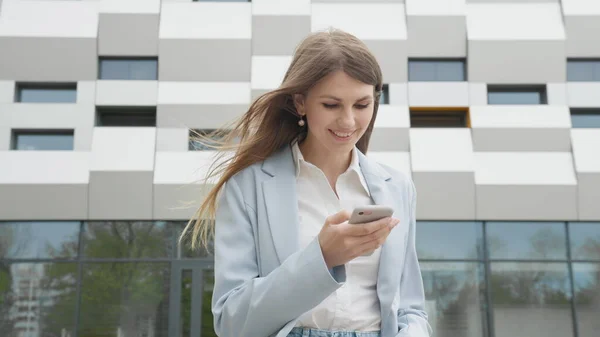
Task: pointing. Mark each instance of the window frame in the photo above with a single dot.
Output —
(461, 60)
(541, 89)
(15, 133)
(20, 86)
(125, 111)
(460, 112)
(129, 59)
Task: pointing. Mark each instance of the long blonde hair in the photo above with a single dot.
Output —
(271, 122)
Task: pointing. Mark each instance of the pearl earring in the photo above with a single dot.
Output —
(301, 122)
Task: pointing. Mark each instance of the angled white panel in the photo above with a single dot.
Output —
(7, 91)
(521, 128)
(581, 7)
(581, 18)
(378, 21)
(49, 19)
(513, 21)
(172, 139)
(443, 171)
(432, 94)
(123, 149)
(441, 150)
(127, 93)
(583, 94)
(505, 47)
(395, 159)
(60, 167)
(398, 93)
(268, 71)
(42, 116)
(206, 20)
(390, 132)
(477, 93)
(436, 7)
(128, 6)
(586, 149)
(525, 186)
(86, 92)
(278, 7)
(203, 92)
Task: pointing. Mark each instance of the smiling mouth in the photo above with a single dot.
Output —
(342, 134)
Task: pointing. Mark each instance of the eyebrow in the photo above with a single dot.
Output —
(338, 99)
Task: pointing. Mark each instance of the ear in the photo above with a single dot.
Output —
(299, 104)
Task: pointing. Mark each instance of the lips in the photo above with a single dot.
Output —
(340, 134)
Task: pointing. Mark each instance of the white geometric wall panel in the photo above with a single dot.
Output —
(511, 162)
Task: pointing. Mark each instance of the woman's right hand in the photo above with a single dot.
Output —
(341, 242)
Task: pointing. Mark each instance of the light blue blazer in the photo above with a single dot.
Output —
(264, 282)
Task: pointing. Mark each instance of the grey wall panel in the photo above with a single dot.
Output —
(445, 195)
(392, 58)
(256, 93)
(521, 139)
(120, 195)
(581, 42)
(516, 62)
(425, 40)
(43, 202)
(198, 116)
(389, 139)
(278, 35)
(512, 1)
(172, 139)
(128, 34)
(535, 202)
(48, 59)
(589, 196)
(4, 137)
(205, 60)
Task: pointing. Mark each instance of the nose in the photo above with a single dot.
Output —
(346, 118)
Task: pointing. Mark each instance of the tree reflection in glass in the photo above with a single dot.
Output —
(455, 297)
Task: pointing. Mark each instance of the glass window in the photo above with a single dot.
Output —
(39, 240)
(585, 240)
(124, 299)
(385, 95)
(128, 69)
(531, 299)
(438, 119)
(526, 240)
(208, 329)
(449, 240)
(126, 117)
(583, 70)
(517, 95)
(184, 250)
(436, 70)
(46, 93)
(585, 118)
(127, 239)
(37, 299)
(42, 140)
(586, 277)
(455, 299)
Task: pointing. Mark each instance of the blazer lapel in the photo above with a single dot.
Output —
(281, 202)
(379, 182)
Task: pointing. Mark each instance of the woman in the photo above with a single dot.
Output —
(287, 263)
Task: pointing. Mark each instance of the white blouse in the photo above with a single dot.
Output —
(354, 306)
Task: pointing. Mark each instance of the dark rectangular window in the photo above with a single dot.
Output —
(517, 94)
(38, 140)
(585, 118)
(437, 70)
(583, 70)
(128, 69)
(46, 93)
(197, 143)
(438, 119)
(126, 116)
(385, 95)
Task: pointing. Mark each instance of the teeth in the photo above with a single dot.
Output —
(342, 135)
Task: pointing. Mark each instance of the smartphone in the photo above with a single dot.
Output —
(364, 214)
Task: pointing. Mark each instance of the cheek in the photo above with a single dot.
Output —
(364, 118)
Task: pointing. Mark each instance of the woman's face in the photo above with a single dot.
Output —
(338, 110)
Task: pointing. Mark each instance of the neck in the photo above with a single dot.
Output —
(333, 164)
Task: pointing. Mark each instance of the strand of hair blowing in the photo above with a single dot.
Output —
(272, 120)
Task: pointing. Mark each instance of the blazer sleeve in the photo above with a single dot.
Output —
(412, 318)
(245, 304)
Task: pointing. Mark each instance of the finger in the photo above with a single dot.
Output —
(371, 227)
(381, 233)
(338, 217)
(374, 241)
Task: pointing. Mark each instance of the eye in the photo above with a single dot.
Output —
(330, 106)
(362, 106)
